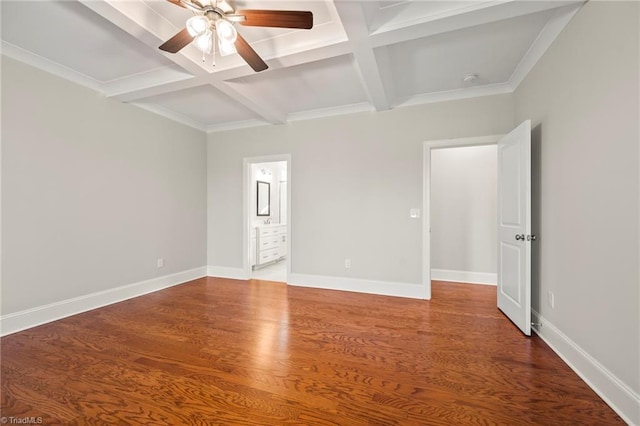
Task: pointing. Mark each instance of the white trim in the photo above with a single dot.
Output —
(620, 397)
(454, 95)
(227, 272)
(426, 194)
(22, 320)
(47, 65)
(467, 277)
(235, 125)
(331, 111)
(426, 218)
(385, 288)
(171, 115)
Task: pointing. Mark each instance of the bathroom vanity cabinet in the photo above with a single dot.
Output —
(270, 244)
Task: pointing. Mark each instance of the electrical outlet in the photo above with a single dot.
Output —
(347, 263)
(160, 262)
(551, 299)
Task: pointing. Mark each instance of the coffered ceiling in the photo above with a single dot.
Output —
(359, 56)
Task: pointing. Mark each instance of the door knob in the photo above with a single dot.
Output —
(519, 237)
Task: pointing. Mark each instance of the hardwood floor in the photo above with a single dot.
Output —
(216, 351)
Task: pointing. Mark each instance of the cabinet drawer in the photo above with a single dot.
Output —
(268, 255)
(267, 232)
(269, 242)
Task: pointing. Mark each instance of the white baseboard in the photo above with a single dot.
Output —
(22, 320)
(386, 288)
(622, 399)
(464, 276)
(227, 272)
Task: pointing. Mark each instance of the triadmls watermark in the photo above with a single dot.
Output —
(11, 420)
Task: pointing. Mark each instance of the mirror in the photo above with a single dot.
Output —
(264, 199)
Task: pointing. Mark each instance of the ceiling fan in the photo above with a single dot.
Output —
(217, 19)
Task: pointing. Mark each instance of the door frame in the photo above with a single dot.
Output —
(246, 217)
(428, 146)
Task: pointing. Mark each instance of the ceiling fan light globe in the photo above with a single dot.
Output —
(204, 42)
(197, 26)
(226, 48)
(226, 32)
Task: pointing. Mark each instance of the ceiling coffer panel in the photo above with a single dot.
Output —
(324, 84)
(71, 35)
(439, 63)
(203, 104)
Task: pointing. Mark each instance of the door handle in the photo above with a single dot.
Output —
(519, 237)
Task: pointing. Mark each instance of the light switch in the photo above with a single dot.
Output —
(414, 213)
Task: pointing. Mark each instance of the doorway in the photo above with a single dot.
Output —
(514, 233)
(267, 208)
(459, 262)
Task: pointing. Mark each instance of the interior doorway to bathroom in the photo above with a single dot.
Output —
(267, 213)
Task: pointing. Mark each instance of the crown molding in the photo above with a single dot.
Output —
(37, 61)
(454, 95)
(235, 125)
(171, 115)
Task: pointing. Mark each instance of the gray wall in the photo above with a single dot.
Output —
(353, 180)
(93, 191)
(583, 99)
(463, 209)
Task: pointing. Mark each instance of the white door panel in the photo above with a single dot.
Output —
(514, 226)
(509, 158)
(511, 271)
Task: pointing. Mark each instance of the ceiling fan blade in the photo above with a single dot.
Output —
(177, 3)
(277, 18)
(250, 55)
(177, 42)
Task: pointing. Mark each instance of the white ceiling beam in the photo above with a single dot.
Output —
(355, 25)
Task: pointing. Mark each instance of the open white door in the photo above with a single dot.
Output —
(514, 226)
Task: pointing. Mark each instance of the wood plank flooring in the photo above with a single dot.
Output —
(217, 351)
